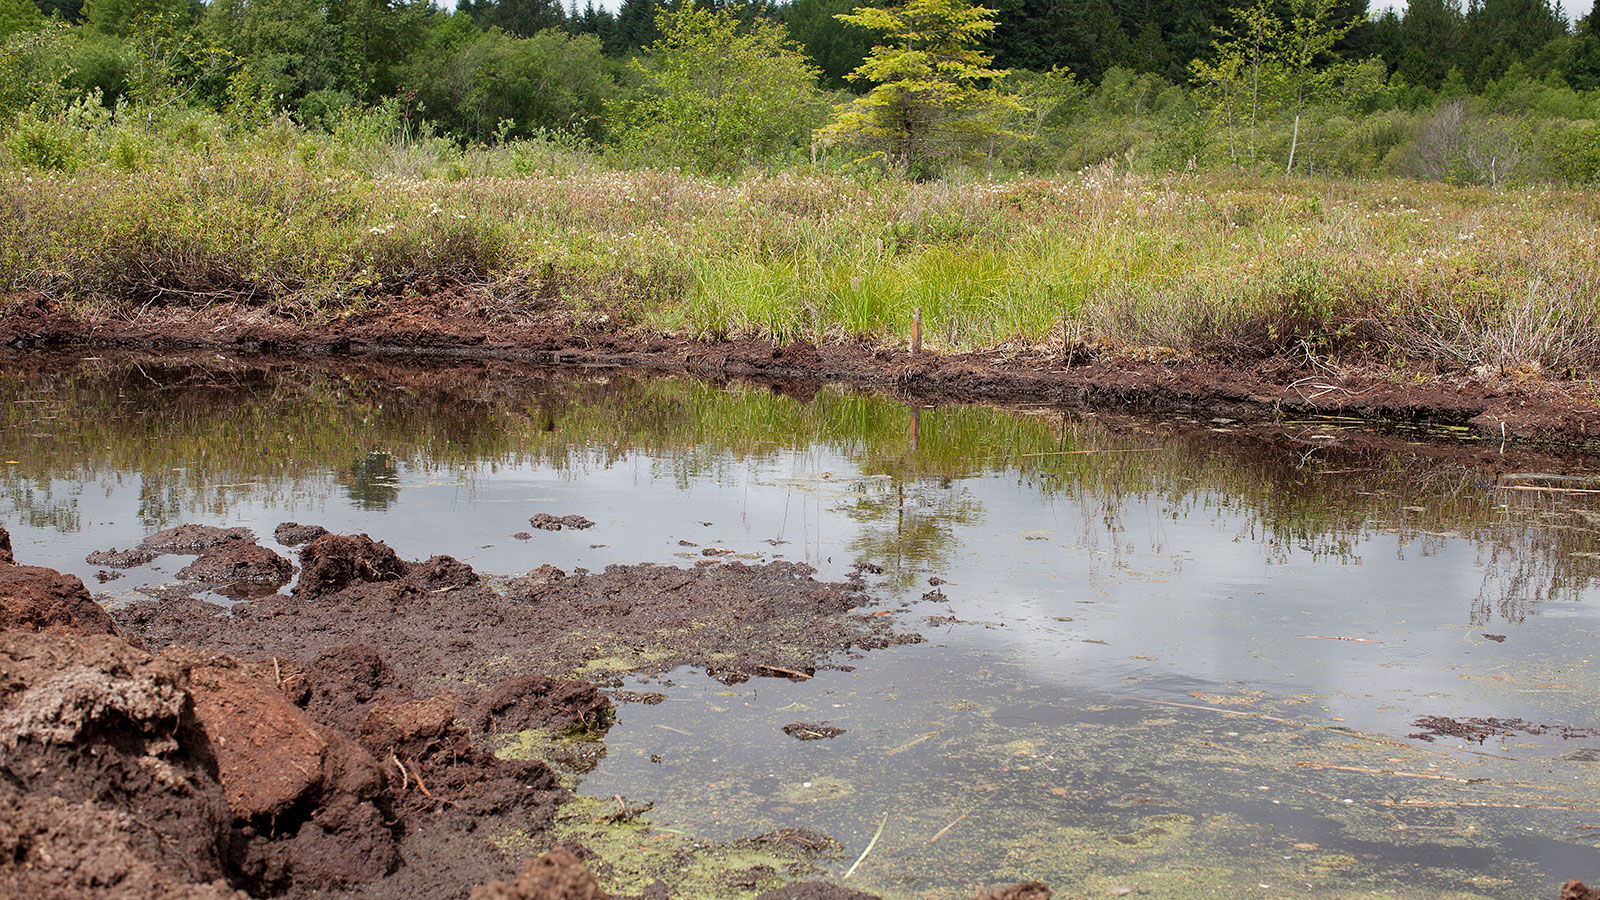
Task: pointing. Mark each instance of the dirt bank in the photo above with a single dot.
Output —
(1522, 407)
(333, 743)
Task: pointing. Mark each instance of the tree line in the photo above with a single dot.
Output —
(916, 84)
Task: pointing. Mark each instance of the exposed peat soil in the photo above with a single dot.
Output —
(331, 743)
(449, 325)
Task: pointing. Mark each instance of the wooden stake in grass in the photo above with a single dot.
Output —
(870, 844)
(916, 331)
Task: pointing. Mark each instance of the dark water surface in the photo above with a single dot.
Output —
(1175, 658)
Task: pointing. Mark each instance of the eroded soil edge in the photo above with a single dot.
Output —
(1516, 407)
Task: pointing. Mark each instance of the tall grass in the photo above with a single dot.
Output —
(187, 213)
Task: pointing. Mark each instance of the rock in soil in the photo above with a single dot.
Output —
(39, 599)
(557, 875)
(293, 534)
(239, 563)
(119, 559)
(192, 538)
(548, 522)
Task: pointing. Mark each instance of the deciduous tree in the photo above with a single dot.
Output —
(716, 96)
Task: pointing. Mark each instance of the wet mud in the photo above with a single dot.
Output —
(736, 621)
(336, 743)
(547, 522)
(1542, 409)
(1479, 729)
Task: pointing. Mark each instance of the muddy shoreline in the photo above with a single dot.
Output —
(1544, 410)
(340, 741)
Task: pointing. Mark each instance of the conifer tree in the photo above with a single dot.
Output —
(932, 98)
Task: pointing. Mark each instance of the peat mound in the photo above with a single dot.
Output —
(239, 563)
(192, 538)
(39, 599)
(1576, 890)
(120, 559)
(334, 561)
(91, 723)
(547, 522)
(6, 558)
(539, 701)
(293, 534)
(310, 804)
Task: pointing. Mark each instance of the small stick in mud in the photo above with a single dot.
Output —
(784, 671)
(945, 829)
(870, 844)
(420, 786)
(405, 777)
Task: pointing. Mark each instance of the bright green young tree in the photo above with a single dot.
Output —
(714, 96)
(1268, 63)
(932, 98)
(1312, 71)
(1236, 84)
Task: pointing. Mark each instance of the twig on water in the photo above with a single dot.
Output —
(950, 826)
(870, 844)
(1326, 637)
(781, 670)
(913, 742)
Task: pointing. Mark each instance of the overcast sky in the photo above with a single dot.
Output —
(1576, 9)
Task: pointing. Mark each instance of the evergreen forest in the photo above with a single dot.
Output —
(1501, 92)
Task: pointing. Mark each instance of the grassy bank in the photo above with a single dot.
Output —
(1425, 276)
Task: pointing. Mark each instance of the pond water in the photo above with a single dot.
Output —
(1169, 658)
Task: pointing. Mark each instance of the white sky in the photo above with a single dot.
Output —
(1576, 9)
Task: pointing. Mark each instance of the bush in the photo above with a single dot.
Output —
(44, 142)
(1572, 154)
